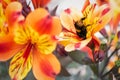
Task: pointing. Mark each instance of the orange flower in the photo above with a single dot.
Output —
(32, 43)
(115, 7)
(111, 62)
(9, 17)
(40, 3)
(79, 28)
(6, 2)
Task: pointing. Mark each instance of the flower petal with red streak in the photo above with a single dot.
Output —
(104, 18)
(8, 47)
(45, 67)
(86, 3)
(13, 13)
(114, 22)
(20, 65)
(40, 3)
(44, 24)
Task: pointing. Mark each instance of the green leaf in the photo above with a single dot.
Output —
(80, 57)
(64, 72)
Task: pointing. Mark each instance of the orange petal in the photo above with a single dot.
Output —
(101, 2)
(86, 3)
(13, 13)
(56, 26)
(111, 63)
(44, 24)
(6, 2)
(34, 3)
(8, 47)
(20, 65)
(114, 22)
(43, 3)
(96, 42)
(40, 3)
(45, 67)
(114, 42)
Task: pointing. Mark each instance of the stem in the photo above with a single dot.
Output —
(106, 73)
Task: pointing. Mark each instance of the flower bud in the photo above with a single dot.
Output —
(99, 55)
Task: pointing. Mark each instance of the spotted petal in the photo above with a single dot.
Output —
(77, 46)
(69, 16)
(104, 18)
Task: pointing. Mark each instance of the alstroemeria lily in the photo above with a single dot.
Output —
(10, 17)
(3, 29)
(115, 7)
(40, 3)
(6, 2)
(111, 62)
(32, 44)
(79, 28)
(7, 29)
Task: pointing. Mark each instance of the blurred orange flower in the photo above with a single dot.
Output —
(79, 27)
(6, 2)
(40, 3)
(31, 43)
(115, 7)
(9, 17)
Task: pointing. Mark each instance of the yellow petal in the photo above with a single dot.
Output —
(20, 66)
(66, 38)
(45, 45)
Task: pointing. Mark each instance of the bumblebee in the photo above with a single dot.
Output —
(81, 28)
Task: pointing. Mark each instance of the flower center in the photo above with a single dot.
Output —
(29, 36)
(81, 29)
